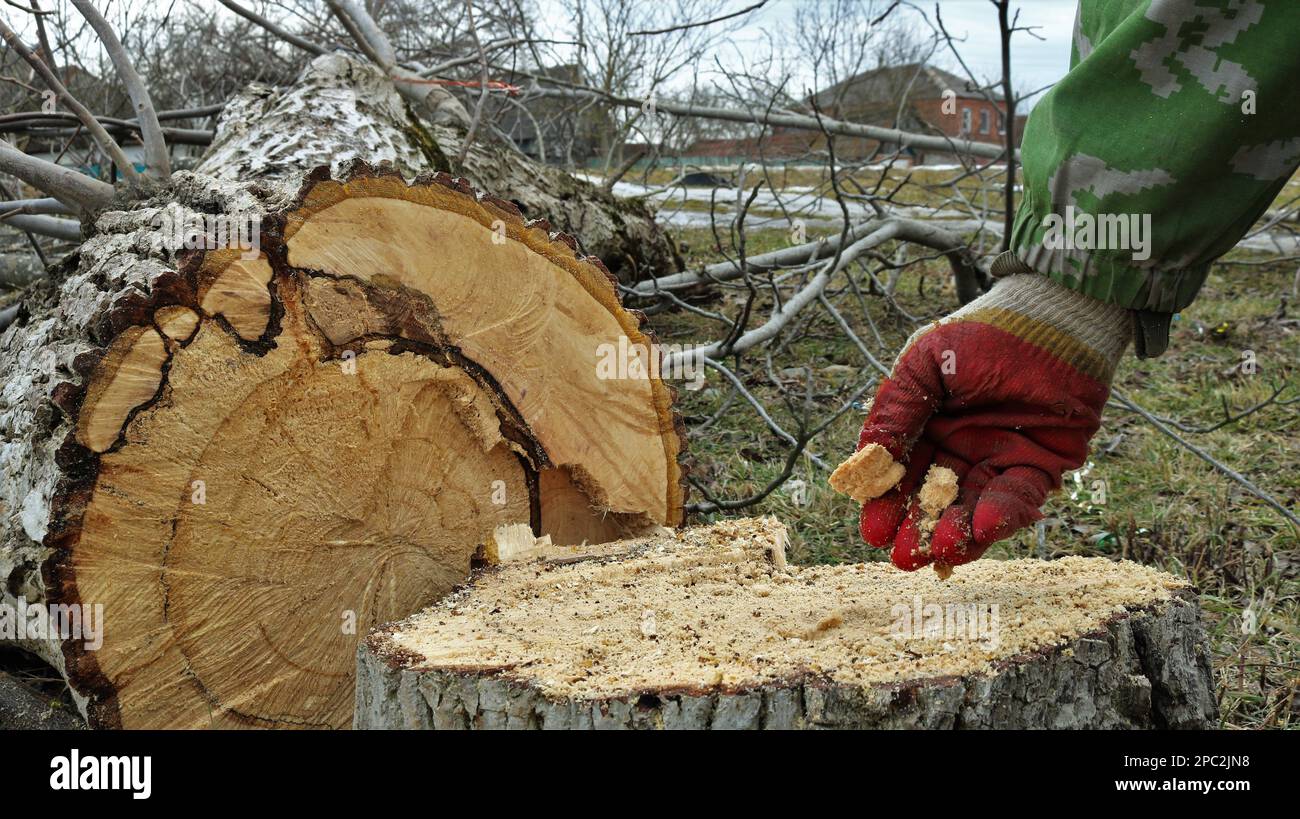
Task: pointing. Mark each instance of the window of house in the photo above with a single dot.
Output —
(965, 120)
(1002, 123)
(984, 121)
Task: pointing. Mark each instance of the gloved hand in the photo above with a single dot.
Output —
(1006, 392)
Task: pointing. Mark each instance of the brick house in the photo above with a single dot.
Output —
(780, 144)
(932, 101)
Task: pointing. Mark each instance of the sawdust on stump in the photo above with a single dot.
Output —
(715, 609)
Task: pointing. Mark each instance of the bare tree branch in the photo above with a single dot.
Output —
(785, 119)
(69, 230)
(1006, 29)
(758, 407)
(438, 104)
(1209, 459)
(371, 31)
(782, 315)
(965, 270)
(633, 157)
(106, 143)
(685, 26)
(156, 157)
(763, 262)
(483, 84)
(798, 447)
(48, 207)
(64, 184)
(11, 273)
(369, 39)
(444, 67)
(288, 37)
(48, 125)
(1230, 417)
(8, 315)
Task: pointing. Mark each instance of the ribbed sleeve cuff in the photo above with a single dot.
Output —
(1089, 334)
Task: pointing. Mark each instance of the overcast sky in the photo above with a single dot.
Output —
(1036, 63)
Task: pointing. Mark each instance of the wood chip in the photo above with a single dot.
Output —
(868, 473)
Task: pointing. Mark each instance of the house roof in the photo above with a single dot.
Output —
(887, 84)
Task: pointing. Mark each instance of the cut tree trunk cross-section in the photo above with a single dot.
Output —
(273, 452)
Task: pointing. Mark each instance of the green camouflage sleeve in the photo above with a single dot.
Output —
(1173, 131)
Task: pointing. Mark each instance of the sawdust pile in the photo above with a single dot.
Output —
(716, 607)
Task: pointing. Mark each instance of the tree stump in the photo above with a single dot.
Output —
(709, 628)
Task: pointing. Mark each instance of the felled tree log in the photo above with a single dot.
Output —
(247, 462)
(249, 456)
(622, 232)
(261, 134)
(709, 628)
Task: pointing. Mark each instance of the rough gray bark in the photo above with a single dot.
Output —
(1148, 669)
(342, 110)
(338, 111)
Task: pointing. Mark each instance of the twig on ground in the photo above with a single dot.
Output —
(1210, 459)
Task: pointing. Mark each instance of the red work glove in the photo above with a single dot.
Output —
(1006, 392)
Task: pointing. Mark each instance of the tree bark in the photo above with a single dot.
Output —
(622, 232)
(1093, 664)
(246, 454)
(261, 134)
